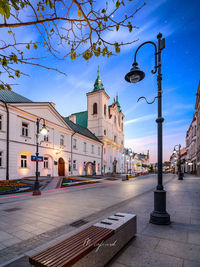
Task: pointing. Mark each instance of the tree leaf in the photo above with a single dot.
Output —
(79, 13)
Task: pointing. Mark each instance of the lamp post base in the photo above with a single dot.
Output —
(36, 193)
(159, 215)
(180, 176)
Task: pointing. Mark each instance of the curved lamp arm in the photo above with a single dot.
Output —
(155, 46)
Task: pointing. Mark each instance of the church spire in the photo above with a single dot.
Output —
(98, 85)
(118, 104)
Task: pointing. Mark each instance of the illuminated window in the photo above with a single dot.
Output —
(23, 161)
(46, 162)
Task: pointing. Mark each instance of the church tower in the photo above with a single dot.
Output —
(98, 112)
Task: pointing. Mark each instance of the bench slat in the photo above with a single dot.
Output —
(70, 250)
(80, 251)
(67, 250)
(67, 241)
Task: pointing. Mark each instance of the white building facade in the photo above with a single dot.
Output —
(61, 156)
(85, 143)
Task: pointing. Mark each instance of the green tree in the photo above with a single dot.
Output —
(78, 26)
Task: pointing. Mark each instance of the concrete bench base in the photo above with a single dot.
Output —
(125, 229)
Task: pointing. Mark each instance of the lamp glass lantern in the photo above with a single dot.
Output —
(44, 130)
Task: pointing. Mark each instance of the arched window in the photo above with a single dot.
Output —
(104, 132)
(95, 108)
(105, 110)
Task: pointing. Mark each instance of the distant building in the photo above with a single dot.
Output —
(135, 162)
(197, 107)
(191, 145)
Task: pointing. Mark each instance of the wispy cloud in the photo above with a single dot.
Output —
(140, 119)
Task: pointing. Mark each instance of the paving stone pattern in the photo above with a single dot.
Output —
(175, 245)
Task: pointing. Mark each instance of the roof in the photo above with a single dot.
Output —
(81, 130)
(12, 97)
(98, 85)
(81, 118)
(118, 105)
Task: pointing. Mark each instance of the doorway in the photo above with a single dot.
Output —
(61, 167)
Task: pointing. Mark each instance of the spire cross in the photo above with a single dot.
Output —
(98, 70)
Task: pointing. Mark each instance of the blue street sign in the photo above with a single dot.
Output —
(35, 158)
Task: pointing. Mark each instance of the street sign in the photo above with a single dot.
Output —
(35, 158)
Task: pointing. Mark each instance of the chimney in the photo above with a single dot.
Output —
(72, 118)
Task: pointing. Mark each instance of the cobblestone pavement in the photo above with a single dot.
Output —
(28, 222)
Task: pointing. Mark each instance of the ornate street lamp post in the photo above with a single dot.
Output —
(130, 157)
(43, 131)
(159, 215)
(180, 174)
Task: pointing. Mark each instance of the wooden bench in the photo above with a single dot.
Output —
(69, 251)
(94, 246)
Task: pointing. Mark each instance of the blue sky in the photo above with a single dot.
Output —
(178, 21)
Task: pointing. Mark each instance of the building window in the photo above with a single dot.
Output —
(1, 117)
(46, 138)
(74, 164)
(95, 108)
(23, 161)
(104, 150)
(46, 162)
(122, 126)
(104, 132)
(84, 146)
(98, 167)
(98, 150)
(115, 138)
(74, 143)
(119, 120)
(62, 140)
(115, 119)
(92, 149)
(24, 129)
(1, 158)
(105, 110)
